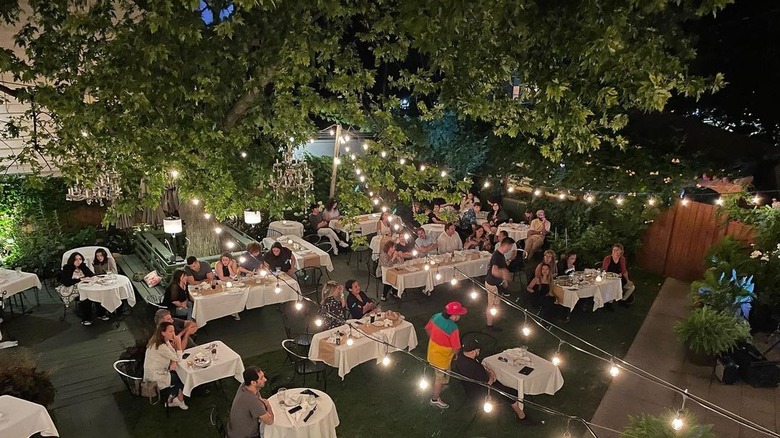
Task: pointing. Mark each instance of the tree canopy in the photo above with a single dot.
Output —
(144, 87)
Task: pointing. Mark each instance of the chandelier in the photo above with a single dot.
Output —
(106, 187)
(292, 175)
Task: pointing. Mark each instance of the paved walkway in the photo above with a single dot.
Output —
(657, 350)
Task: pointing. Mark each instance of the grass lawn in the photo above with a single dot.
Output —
(373, 401)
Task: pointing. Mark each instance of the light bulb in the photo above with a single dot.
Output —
(598, 278)
(719, 201)
(362, 178)
(443, 173)
(402, 161)
(510, 190)
(347, 137)
(174, 173)
(206, 216)
(217, 230)
(684, 201)
(318, 322)
(556, 360)
(370, 193)
(365, 146)
(352, 157)
(383, 154)
(488, 406)
(358, 171)
(386, 360)
(423, 383)
(561, 196)
(526, 330)
(427, 267)
(414, 253)
(438, 276)
(486, 185)
(474, 295)
(337, 160)
(651, 201)
(347, 149)
(242, 259)
(278, 290)
(407, 236)
(493, 311)
(390, 218)
(230, 245)
(537, 193)
(376, 201)
(613, 370)
(243, 154)
(756, 199)
(289, 241)
(298, 305)
(195, 201)
(454, 281)
(620, 201)
(332, 132)
(396, 227)
(292, 139)
(677, 423)
(384, 208)
(263, 272)
(422, 167)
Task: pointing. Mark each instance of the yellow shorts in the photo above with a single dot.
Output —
(442, 378)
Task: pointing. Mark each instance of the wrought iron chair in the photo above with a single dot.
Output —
(302, 365)
(217, 422)
(309, 279)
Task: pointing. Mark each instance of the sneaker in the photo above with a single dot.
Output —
(505, 294)
(172, 403)
(439, 404)
(494, 328)
(384, 298)
(344, 244)
(86, 323)
(182, 405)
(627, 302)
(236, 317)
(335, 251)
(104, 318)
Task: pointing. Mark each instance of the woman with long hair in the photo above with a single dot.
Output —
(226, 267)
(177, 297)
(163, 354)
(102, 264)
(331, 211)
(73, 273)
(334, 305)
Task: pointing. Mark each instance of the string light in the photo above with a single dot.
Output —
(352, 157)
(396, 227)
(298, 305)
(614, 370)
(402, 161)
(510, 190)
(537, 193)
(620, 200)
(263, 273)
(526, 330)
(243, 154)
(376, 201)
(589, 198)
(454, 281)
(684, 201)
(386, 360)
(423, 383)
(383, 154)
(337, 160)
(414, 253)
(474, 295)
(422, 167)
(486, 185)
(677, 422)
(443, 173)
(358, 171)
(438, 276)
(488, 405)
(174, 173)
(207, 216)
(195, 201)
(384, 208)
(230, 245)
(350, 340)
(365, 146)
(427, 267)
(362, 178)
(556, 359)
(494, 311)
(218, 230)
(332, 132)
(719, 201)
(651, 201)
(318, 322)
(347, 149)
(562, 196)
(756, 200)
(278, 290)
(242, 259)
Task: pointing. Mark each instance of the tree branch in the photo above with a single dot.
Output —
(13, 92)
(242, 105)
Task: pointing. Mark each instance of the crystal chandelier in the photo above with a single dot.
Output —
(106, 187)
(292, 175)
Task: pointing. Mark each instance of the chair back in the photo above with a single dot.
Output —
(296, 322)
(132, 383)
(88, 252)
(273, 233)
(309, 280)
(217, 422)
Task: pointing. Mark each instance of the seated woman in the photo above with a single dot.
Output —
(568, 263)
(542, 286)
(387, 258)
(496, 216)
(279, 258)
(334, 306)
(405, 246)
(73, 273)
(616, 263)
(101, 264)
(226, 268)
(358, 303)
(549, 260)
(433, 216)
(383, 227)
(177, 298)
(478, 240)
(528, 216)
(468, 201)
(331, 211)
(163, 354)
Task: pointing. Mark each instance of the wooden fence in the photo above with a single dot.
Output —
(676, 242)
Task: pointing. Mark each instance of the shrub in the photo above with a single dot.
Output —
(652, 426)
(711, 332)
(20, 377)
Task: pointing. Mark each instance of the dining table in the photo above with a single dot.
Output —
(306, 253)
(331, 346)
(433, 230)
(544, 378)
(365, 223)
(108, 291)
(16, 282)
(20, 418)
(458, 265)
(262, 290)
(517, 231)
(210, 303)
(225, 363)
(603, 288)
(285, 227)
(318, 420)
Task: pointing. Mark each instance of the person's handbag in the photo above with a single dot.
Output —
(149, 389)
(68, 294)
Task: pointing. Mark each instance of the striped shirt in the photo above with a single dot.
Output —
(445, 338)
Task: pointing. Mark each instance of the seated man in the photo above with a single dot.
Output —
(511, 256)
(468, 222)
(250, 412)
(425, 245)
(320, 226)
(466, 363)
(279, 258)
(449, 240)
(539, 229)
(251, 260)
(197, 271)
(184, 329)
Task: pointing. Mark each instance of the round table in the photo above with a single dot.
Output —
(517, 232)
(109, 295)
(322, 423)
(285, 228)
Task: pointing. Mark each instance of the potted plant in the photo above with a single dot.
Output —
(660, 426)
(708, 333)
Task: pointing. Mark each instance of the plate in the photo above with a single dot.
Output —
(201, 362)
(379, 323)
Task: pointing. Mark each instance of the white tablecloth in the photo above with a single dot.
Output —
(606, 290)
(366, 223)
(322, 424)
(13, 283)
(417, 276)
(325, 260)
(546, 378)
(433, 230)
(109, 296)
(291, 228)
(515, 231)
(228, 363)
(21, 419)
(365, 349)
(259, 295)
(214, 306)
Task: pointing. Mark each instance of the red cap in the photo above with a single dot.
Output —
(455, 308)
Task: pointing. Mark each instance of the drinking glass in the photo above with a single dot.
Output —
(281, 394)
(18, 271)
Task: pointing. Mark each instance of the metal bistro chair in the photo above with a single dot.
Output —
(217, 422)
(372, 266)
(302, 365)
(133, 383)
(358, 250)
(296, 322)
(309, 279)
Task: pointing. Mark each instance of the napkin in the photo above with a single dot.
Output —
(388, 323)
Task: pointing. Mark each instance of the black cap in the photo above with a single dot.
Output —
(470, 344)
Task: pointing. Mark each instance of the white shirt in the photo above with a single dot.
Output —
(449, 243)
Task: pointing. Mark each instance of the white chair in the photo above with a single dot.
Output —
(88, 252)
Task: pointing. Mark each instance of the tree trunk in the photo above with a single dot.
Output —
(203, 240)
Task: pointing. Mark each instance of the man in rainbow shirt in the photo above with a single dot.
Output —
(443, 346)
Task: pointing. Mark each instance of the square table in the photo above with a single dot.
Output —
(306, 253)
(14, 282)
(261, 290)
(227, 363)
(209, 304)
(22, 418)
(345, 357)
(604, 291)
(546, 378)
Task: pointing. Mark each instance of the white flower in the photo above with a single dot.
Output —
(755, 254)
(765, 258)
